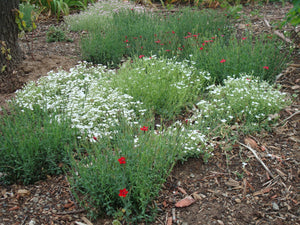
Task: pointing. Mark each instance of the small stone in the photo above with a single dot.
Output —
(192, 175)
(275, 206)
(237, 200)
(220, 222)
(35, 199)
(184, 223)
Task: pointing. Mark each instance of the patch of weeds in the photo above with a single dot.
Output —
(33, 144)
(55, 34)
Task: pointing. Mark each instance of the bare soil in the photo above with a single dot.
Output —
(232, 188)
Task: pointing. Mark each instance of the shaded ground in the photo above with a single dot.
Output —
(232, 188)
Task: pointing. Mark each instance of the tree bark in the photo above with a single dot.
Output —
(9, 37)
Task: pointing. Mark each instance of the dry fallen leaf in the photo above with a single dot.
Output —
(182, 190)
(187, 201)
(23, 192)
(251, 143)
(232, 183)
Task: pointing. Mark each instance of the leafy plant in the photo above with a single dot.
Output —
(293, 16)
(33, 144)
(55, 34)
(165, 86)
(127, 173)
(6, 52)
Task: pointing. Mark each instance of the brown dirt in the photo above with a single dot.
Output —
(226, 192)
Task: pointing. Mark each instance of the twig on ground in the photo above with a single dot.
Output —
(286, 119)
(256, 156)
(278, 33)
(23, 222)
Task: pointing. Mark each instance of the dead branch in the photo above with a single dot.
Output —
(286, 119)
(256, 156)
(278, 33)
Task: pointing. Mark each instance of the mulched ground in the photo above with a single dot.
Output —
(232, 188)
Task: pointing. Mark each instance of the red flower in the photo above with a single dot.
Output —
(244, 38)
(126, 41)
(168, 50)
(158, 41)
(189, 33)
(142, 47)
(123, 193)
(122, 160)
(155, 35)
(173, 31)
(201, 48)
(95, 138)
(266, 67)
(222, 61)
(134, 38)
(180, 49)
(140, 36)
(141, 56)
(144, 128)
(195, 35)
(206, 41)
(203, 44)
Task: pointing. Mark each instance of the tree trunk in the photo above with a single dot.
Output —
(10, 54)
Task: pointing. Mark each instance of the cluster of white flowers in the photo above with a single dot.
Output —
(240, 99)
(85, 95)
(193, 141)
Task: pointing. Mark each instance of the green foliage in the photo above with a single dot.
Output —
(293, 16)
(33, 144)
(149, 158)
(245, 102)
(227, 55)
(55, 34)
(6, 52)
(143, 33)
(28, 14)
(164, 86)
(58, 7)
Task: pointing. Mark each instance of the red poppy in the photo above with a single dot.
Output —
(222, 61)
(144, 128)
(201, 48)
(266, 67)
(141, 56)
(173, 31)
(122, 160)
(203, 44)
(123, 193)
(126, 41)
(244, 38)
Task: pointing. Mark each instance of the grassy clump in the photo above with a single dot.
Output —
(204, 37)
(165, 86)
(148, 160)
(33, 144)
